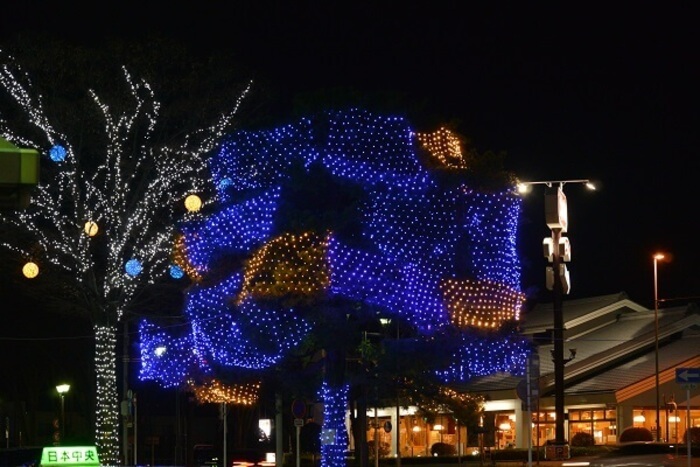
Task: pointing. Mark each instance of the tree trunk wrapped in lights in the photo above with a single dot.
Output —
(107, 399)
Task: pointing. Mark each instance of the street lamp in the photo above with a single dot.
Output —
(62, 390)
(557, 251)
(657, 257)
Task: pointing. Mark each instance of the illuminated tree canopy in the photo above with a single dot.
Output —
(435, 254)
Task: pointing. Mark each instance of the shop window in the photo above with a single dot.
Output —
(639, 418)
(592, 424)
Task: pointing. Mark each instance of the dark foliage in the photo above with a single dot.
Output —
(442, 449)
(633, 433)
(694, 435)
(315, 200)
(582, 439)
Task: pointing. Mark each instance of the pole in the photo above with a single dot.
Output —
(459, 443)
(398, 401)
(223, 406)
(136, 438)
(125, 389)
(376, 438)
(427, 440)
(398, 434)
(687, 422)
(537, 425)
(668, 432)
(178, 427)
(279, 434)
(298, 446)
(656, 347)
(558, 338)
(63, 417)
(528, 377)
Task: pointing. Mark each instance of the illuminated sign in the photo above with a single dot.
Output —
(70, 456)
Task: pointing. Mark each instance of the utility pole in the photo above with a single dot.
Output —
(558, 251)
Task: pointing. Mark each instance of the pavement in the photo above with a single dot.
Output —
(585, 461)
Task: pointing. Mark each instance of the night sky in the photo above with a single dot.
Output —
(567, 90)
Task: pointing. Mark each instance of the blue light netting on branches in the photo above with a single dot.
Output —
(436, 254)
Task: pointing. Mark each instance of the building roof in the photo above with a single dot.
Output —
(614, 340)
(673, 354)
(576, 312)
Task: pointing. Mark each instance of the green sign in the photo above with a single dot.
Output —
(19, 174)
(69, 456)
(19, 166)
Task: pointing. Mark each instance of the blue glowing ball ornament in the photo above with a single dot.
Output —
(57, 153)
(176, 272)
(133, 267)
(224, 183)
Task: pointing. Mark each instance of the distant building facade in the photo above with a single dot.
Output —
(609, 385)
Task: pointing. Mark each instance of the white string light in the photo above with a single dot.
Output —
(132, 195)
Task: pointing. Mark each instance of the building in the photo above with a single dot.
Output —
(610, 383)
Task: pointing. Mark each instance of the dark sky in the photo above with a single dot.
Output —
(568, 90)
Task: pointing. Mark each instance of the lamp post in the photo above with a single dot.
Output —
(62, 390)
(557, 251)
(657, 257)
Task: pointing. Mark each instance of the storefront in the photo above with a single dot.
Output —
(502, 429)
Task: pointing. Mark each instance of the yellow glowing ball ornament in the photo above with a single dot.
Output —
(193, 203)
(30, 270)
(91, 228)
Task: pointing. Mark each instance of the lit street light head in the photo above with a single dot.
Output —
(526, 187)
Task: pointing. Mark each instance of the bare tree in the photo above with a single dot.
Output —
(103, 217)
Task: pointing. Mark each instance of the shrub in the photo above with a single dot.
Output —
(694, 435)
(633, 433)
(582, 439)
(442, 449)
